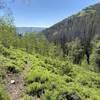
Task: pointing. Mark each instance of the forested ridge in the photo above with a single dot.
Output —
(61, 63)
(83, 25)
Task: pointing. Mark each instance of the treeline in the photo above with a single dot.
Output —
(29, 42)
(75, 51)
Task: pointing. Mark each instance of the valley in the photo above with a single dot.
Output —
(57, 63)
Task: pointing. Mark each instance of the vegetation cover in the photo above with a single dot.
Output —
(34, 68)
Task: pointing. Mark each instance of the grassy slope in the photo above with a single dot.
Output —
(49, 79)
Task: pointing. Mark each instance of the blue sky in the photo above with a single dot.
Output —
(44, 13)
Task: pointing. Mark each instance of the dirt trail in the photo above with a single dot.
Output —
(15, 90)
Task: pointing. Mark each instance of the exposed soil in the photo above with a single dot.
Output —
(17, 88)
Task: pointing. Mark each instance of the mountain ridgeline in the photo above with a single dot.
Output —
(67, 67)
(84, 25)
(29, 29)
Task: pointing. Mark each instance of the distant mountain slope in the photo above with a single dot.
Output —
(85, 25)
(29, 29)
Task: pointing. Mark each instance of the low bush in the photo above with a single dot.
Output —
(3, 94)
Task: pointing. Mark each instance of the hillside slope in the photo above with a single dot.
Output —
(84, 25)
(42, 78)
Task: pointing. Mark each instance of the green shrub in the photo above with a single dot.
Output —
(37, 75)
(26, 97)
(3, 94)
(35, 89)
(4, 51)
